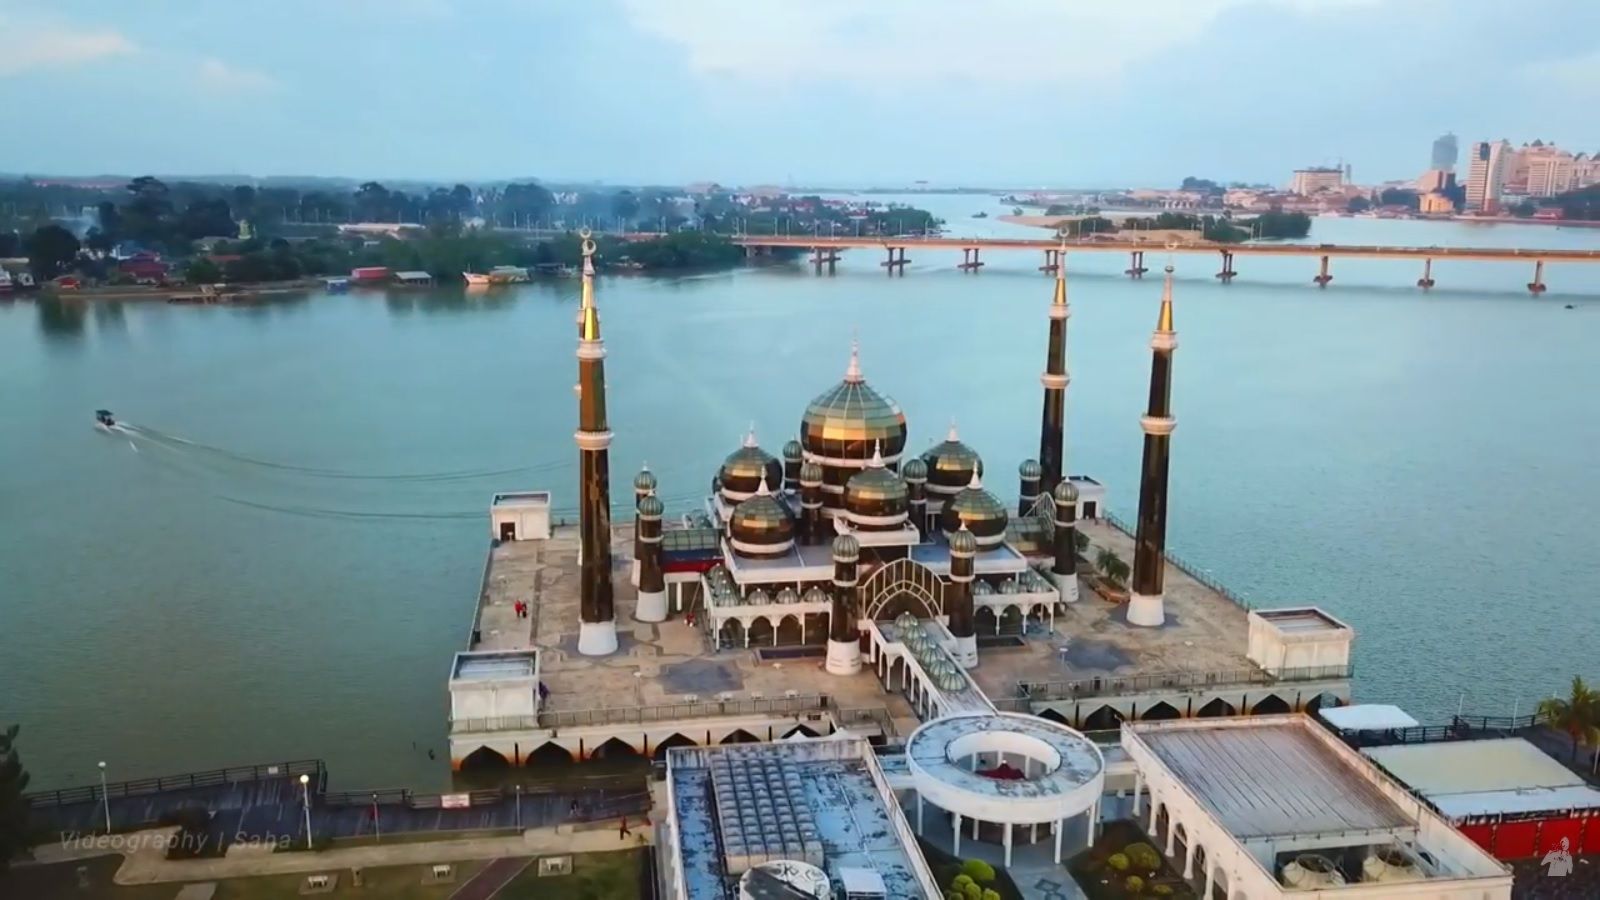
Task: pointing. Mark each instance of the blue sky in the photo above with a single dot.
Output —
(1025, 92)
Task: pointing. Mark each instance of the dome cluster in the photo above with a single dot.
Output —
(946, 675)
(876, 499)
(979, 512)
(761, 526)
(951, 465)
(724, 593)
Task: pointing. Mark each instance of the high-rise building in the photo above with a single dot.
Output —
(1445, 153)
(1549, 170)
(1309, 181)
(1486, 173)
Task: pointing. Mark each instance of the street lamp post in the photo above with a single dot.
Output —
(305, 794)
(519, 807)
(105, 798)
(377, 824)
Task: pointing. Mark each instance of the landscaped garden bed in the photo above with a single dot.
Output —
(1124, 863)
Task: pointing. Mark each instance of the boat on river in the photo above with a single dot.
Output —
(104, 420)
(475, 278)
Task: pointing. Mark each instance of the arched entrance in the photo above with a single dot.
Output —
(732, 633)
(484, 759)
(761, 633)
(740, 736)
(1160, 712)
(1217, 708)
(983, 620)
(549, 754)
(816, 628)
(800, 730)
(1011, 620)
(1105, 718)
(1050, 714)
(789, 631)
(613, 748)
(902, 586)
(1270, 705)
(676, 740)
(1322, 701)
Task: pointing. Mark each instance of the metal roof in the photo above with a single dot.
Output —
(1367, 717)
(1487, 777)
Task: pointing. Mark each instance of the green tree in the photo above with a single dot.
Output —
(49, 250)
(1524, 209)
(1358, 204)
(1578, 714)
(202, 271)
(1081, 542)
(13, 808)
(1112, 567)
(625, 206)
(978, 871)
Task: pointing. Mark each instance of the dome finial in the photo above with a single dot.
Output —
(877, 455)
(852, 372)
(763, 490)
(1164, 323)
(953, 435)
(976, 482)
(1060, 298)
(588, 318)
(750, 436)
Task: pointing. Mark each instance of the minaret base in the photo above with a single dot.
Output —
(967, 651)
(652, 606)
(1147, 610)
(844, 657)
(1067, 585)
(597, 638)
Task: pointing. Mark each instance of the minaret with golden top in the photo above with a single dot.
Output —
(597, 629)
(1146, 605)
(1052, 434)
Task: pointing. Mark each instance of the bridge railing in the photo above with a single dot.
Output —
(1114, 685)
(1183, 565)
(629, 715)
(140, 787)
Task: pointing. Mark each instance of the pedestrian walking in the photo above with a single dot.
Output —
(622, 830)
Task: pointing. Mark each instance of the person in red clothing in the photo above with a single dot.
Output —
(622, 830)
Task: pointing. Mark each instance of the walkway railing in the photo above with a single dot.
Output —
(1183, 565)
(215, 777)
(627, 715)
(875, 715)
(1137, 684)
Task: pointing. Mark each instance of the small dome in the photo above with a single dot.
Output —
(875, 498)
(979, 512)
(964, 543)
(951, 680)
(1066, 492)
(1009, 587)
(981, 588)
(761, 526)
(951, 464)
(645, 481)
(1030, 470)
(787, 595)
(845, 421)
(810, 473)
(792, 451)
(724, 597)
(742, 471)
(905, 620)
(815, 594)
(914, 470)
(651, 506)
(757, 597)
(717, 574)
(846, 548)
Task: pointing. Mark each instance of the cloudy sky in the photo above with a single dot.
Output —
(1004, 92)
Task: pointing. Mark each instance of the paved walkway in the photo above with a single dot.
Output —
(491, 879)
(149, 865)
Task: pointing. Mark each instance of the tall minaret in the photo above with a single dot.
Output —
(644, 485)
(958, 597)
(1065, 571)
(1052, 428)
(652, 605)
(597, 629)
(844, 634)
(1145, 606)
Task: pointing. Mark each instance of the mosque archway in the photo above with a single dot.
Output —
(740, 736)
(549, 753)
(1106, 718)
(1322, 701)
(789, 630)
(1011, 620)
(983, 620)
(761, 632)
(613, 748)
(674, 741)
(902, 586)
(800, 730)
(1270, 705)
(816, 629)
(1056, 717)
(732, 633)
(1217, 708)
(1160, 712)
(484, 759)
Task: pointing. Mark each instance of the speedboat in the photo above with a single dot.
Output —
(103, 420)
(475, 278)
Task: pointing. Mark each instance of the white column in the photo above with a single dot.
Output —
(1138, 790)
(1172, 835)
(1060, 826)
(1211, 878)
(1155, 803)
(1008, 845)
(1188, 860)
(974, 827)
(802, 628)
(957, 849)
(1033, 833)
(919, 814)
(747, 635)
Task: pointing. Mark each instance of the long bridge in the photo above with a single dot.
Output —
(825, 252)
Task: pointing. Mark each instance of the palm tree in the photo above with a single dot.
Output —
(1111, 566)
(1578, 714)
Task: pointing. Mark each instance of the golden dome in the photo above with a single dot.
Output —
(951, 464)
(875, 498)
(761, 526)
(979, 511)
(742, 471)
(849, 419)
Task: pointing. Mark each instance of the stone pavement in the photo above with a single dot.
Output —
(149, 865)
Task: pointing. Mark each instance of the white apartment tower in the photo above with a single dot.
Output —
(1486, 173)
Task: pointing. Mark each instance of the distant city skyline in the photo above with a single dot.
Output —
(1027, 93)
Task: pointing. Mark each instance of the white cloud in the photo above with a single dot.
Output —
(29, 46)
(998, 43)
(217, 77)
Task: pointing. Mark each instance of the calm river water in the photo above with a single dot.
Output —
(1420, 464)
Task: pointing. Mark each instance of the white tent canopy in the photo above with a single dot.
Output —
(1367, 717)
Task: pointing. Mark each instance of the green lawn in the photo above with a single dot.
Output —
(61, 881)
(595, 876)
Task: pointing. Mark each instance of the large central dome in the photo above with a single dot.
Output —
(845, 424)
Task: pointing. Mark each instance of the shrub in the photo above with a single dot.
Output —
(991, 894)
(961, 881)
(1143, 856)
(973, 891)
(954, 894)
(1133, 885)
(1161, 890)
(978, 870)
(1118, 861)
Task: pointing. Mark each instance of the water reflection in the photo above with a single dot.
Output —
(109, 318)
(60, 318)
(448, 301)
